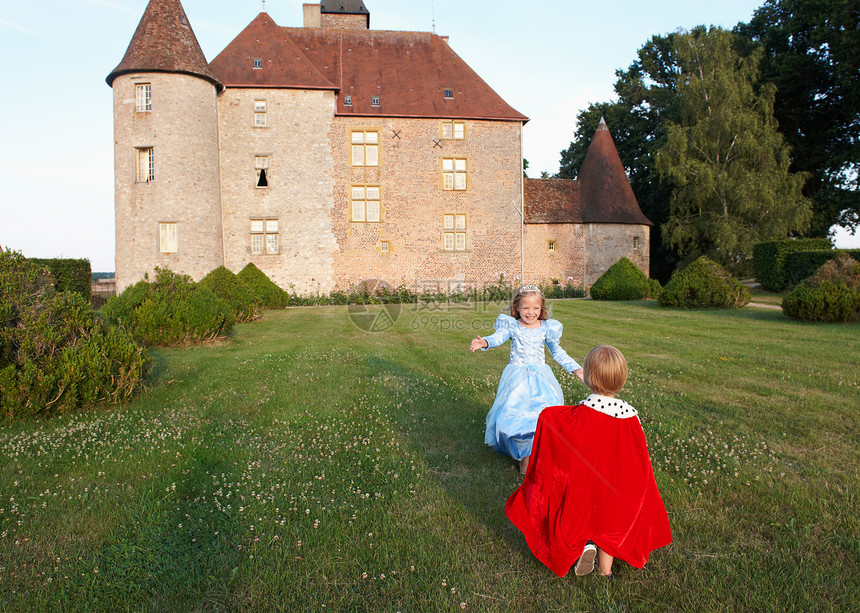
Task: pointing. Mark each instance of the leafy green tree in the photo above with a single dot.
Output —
(812, 55)
(728, 164)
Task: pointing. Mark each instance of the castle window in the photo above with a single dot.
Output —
(449, 94)
(264, 236)
(454, 174)
(365, 147)
(384, 247)
(143, 97)
(454, 232)
(168, 237)
(145, 165)
(261, 164)
(365, 204)
(258, 63)
(636, 243)
(347, 100)
(550, 245)
(374, 101)
(454, 130)
(260, 114)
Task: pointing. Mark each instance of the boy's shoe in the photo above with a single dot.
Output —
(585, 563)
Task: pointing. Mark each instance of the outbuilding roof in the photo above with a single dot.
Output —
(605, 191)
(386, 73)
(552, 201)
(601, 194)
(164, 42)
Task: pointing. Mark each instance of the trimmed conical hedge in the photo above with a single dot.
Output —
(623, 281)
(704, 284)
(226, 285)
(267, 292)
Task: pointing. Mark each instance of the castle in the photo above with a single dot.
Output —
(332, 153)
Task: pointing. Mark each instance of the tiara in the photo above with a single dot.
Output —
(530, 287)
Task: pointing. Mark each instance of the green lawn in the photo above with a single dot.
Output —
(307, 465)
(763, 296)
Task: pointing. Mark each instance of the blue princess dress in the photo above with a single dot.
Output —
(527, 386)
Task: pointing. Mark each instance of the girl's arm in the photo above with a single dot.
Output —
(503, 332)
(553, 341)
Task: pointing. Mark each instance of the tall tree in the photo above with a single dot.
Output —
(728, 164)
(647, 99)
(812, 55)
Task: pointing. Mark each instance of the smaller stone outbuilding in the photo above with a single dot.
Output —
(576, 229)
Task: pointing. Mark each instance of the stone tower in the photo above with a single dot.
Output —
(166, 151)
(615, 226)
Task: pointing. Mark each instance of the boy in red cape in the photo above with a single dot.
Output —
(590, 489)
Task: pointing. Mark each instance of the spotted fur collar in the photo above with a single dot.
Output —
(614, 407)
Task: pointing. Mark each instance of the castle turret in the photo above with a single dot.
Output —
(614, 224)
(166, 151)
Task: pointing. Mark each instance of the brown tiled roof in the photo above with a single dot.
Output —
(605, 190)
(283, 62)
(552, 201)
(164, 42)
(408, 71)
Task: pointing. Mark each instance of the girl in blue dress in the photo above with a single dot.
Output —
(527, 385)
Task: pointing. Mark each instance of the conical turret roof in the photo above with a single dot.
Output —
(606, 195)
(164, 42)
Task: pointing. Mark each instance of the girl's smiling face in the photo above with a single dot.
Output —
(529, 308)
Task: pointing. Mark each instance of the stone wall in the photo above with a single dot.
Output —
(605, 244)
(565, 263)
(182, 129)
(414, 203)
(345, 22)
(299, 176)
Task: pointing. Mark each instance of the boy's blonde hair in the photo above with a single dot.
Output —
(605, 370)
(527, 290)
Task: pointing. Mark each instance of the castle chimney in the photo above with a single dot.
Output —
(312, 15)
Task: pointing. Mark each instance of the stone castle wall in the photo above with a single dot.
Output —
(606, 243)
(299, 176)
(409, 175)
(565, 263)
(345, 22)
(182, 129)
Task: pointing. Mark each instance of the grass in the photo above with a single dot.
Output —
(762, 296)
(307, 465)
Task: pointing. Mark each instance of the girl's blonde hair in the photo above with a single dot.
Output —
(528, 290)
(605, 370)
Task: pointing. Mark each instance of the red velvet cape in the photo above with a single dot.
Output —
(589, 477)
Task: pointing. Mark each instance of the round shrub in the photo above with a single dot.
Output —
(623, 281)
(704, 284)
(654, 289)
(831, 294)
(171, 310)
(224, 284)
(56, 354)
(267, 291)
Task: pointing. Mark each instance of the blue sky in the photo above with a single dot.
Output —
(548, 58)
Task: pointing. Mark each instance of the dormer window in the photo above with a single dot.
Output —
(347, 100)
(449, 94)
(374, 101)
(258, 63)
